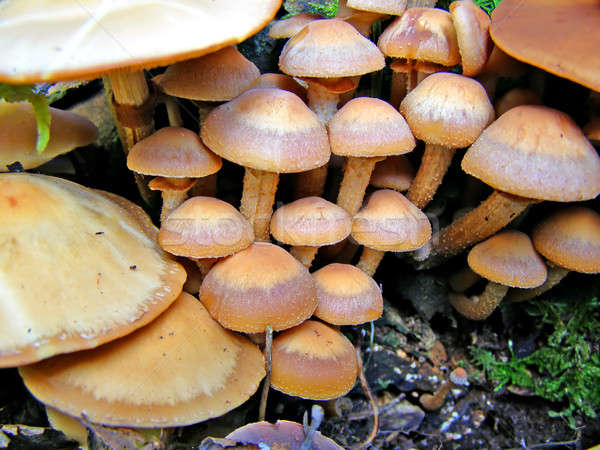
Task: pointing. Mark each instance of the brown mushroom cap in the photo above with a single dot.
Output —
(165, 374)
(260, 286)
(205, 227)
(472, 26)
(329, 48)
(286, 28)
(395, 172)
(79, 41)
(267, 129)
(313, 361)
(83, 271)
(508, 258)
(392, 7)
(310, 221)
(346, 295)
(390, 222)
(529, 31)
(536, 152)
(516, 97)
(218, 76)
(369, 127)
(447, 109)
(173, 152)
(423, 34)
(18, 134)
(570, 238)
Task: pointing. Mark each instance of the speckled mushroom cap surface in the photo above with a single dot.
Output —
(76, 270)
(313, 361)
(267, 129)
(369, 127)
(346, 295)
(570, 238)
(216, 77)
(259, 286)
(329, 48)
(173, 152)
(472, 25)
(280, 435)
(205, 227)
(45, 40)
(395, 172)
(18, 134)
(392, 7)
(422, 34)
(390, 222)
(529, 31)
(508, 258)
(536, 152)
(311, 221)
(180, 369)
(447, 109)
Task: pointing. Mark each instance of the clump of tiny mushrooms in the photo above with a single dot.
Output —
(119, 321)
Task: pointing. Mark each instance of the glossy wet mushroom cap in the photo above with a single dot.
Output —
(472, 26)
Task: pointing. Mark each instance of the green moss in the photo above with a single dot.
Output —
(564, 368)
(325, 8)
(487, 5)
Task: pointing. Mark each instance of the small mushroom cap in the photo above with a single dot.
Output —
(536, 152)
(516, 97)
(267, 129)
(390, 222)
(570, 238)
(286, 28)
(368, 127)
(313, 361)
(173, 152)
(392, 7)
(423, 34)
(329, 48)
(394, 172)
(259, 286)
(83, 271)
(281, 81)
(283, 434)
(82, 40)
(447, 109)
(216, 77)
(508, 258)
(528, 31)
(205, 227)
(310, 221)
(472, 26)
(165, 374)
(18, 134)
(346, 295)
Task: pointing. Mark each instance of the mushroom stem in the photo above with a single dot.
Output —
(479, 307)
(310, 183)
(257, 200)
(493, 214)
(262, 411)
(205, 264)
(356, 179)
(369, 260)
(205, 186)
(322, 101)
(170, 201)
(173, 111)
(433, 402)
(555, 275)
(304, 254)
(398, 89)
(463, 280)
(434, 165)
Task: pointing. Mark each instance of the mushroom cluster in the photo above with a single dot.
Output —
(93, 306)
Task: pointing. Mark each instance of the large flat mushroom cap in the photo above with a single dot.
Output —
(267, 129)
(559, 36)
(181, 369)
(18, 134)
(536, 152)
(76, 269)
(45, 40)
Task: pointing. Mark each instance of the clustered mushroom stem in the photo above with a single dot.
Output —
(205, 186)
(369, 260)
(412, 78)
(434, 165)
(170, 201)
(498, 210)
(356, 179)
(205, 264)
(304, 254)
(310, 183)
(479, 307)
(173, 111)
(322, 102)
(555, 275)
(398, 89)
(262, 411)
(257, 200)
